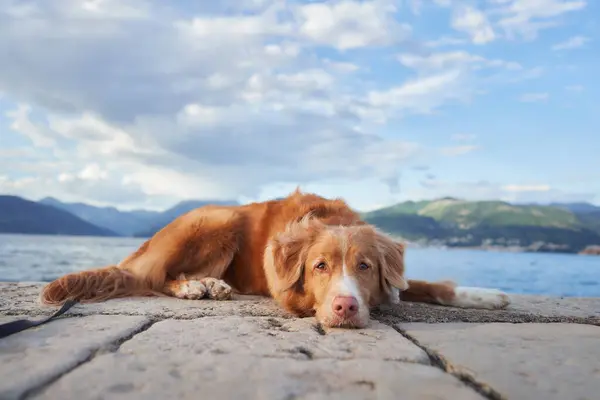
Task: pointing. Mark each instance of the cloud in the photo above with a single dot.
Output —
(574, 42)
(146, 102)
(444, 77)
(534, 97)
(212, 103)
(453, 59)
(473, 22)
(40, 136)
(525, 18)
(527, 188)
(463, 137)
(445, 41)
(458, 150)
(504, 19)
(351, 24)
(421, 95)
(575, 88)
(482, 190)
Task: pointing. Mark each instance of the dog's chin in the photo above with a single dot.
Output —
(345, 323)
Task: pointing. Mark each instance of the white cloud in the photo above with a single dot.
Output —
(145, 102)
(92, 172)
(473, 22)
(527, 188)
(525, 18)
(136, 102)
(534, 97)
(574, 42)
(350, 24)
(458, 150)
(432, 188)
(445, 41)
(489, 20)
(341, 67)
(453, 59)
(575, 88)
(451, 76)
(421, 95)
(39, 136)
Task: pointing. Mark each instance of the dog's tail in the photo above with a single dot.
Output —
(96, 285)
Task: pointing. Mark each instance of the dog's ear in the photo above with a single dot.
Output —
(391, 261)
(288, 251)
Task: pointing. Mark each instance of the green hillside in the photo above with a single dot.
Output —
(454, 222)
(466, 214)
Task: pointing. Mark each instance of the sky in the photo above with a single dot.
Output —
(141, 104)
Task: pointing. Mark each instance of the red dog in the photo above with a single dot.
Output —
(314, 256)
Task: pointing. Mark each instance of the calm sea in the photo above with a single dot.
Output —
(43, 258)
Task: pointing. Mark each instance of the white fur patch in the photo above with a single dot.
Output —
(394, 295)
(476, 297)
(347, 285)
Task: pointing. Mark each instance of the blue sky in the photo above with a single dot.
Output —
(144, 103)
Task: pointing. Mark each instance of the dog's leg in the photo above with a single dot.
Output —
(449, 294)
(188, 258)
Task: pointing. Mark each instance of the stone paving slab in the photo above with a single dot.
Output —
(523, 361)
(38, 355)
(275, 338)
(266, 358)
(181, 376)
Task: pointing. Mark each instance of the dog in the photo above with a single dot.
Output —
(314, 256)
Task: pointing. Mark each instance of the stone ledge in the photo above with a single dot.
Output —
(249, 348)
(21, 298)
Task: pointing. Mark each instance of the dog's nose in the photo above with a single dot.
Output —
(345, 306)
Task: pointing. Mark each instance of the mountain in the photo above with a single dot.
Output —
(181, 208)
(591, 220)
(409, 226)
(140, 223)
(588, 214)
(560, 227)
(460, 223)
(125, 223)
(18, 215)
(577, 208)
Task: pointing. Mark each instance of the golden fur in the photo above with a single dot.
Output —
(314, 256)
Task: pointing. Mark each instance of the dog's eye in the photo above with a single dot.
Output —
(363, 266)
(321, 266)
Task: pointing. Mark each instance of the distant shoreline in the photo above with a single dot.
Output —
(589, 251)
(593, 250)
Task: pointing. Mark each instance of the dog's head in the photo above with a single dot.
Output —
(336, 273)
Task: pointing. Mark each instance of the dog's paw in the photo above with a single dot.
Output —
(217, 289)
(191, 290)
(476, 297)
